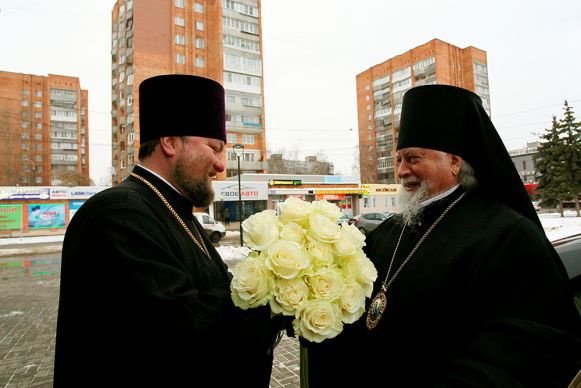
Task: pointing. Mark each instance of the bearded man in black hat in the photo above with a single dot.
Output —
(145, 297)
(469, 291)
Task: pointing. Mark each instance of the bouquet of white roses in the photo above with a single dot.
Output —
(304, 265)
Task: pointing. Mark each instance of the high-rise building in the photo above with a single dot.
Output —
(380, 90)
(44, 130)
(209, 38)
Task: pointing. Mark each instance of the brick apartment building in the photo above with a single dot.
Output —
(380, 91)
(44, 130)
(209, 38)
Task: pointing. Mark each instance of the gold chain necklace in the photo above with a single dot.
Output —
(196, 239)
(377, 306)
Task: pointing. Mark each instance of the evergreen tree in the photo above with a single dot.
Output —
(571, 137)
(559, 162)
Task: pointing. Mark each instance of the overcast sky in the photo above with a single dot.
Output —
(313, 49)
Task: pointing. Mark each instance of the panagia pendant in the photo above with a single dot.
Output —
(376, 309)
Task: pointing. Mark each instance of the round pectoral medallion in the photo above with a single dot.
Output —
(376, 309)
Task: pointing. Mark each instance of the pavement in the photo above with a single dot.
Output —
(29, 290)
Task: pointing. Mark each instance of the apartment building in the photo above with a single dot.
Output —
(380, 91)
(524, 160)
(44, 130)
(209, 38)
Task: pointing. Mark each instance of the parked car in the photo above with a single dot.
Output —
(215, 230)
(345, 218)
(569, 250)
(369, 221)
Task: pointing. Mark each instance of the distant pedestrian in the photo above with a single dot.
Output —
(145, 296)
(226, 216)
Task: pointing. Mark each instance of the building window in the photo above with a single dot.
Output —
(200, 62)
(199, 25)
(247, 139)
(24, 124)
(180, 21)
(24, 102)
(180, 59)
(180, 3)
(130, 79)
(180, 39)
(231, 137)
(524, 165)
(25, 92)
(38, 93)
(37, 104)
(38, 125)
(200, 43)
(199, 7)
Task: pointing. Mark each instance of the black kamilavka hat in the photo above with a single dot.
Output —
(181, 105)
(453, 120)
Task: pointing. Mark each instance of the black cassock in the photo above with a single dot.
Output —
(141, 305)
(483, 302)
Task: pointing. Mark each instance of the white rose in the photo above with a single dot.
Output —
(326, 283)
(352, 302)
(350, 240)
(295, 210)
(289, 296)
(318, 320)
(261, 230)
(287, 258)
(252, 283)
(362, 270)
(323, 229)
(321, 253)
(329, 210)
(292, 231)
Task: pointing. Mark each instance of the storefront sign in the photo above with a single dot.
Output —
(379, 189)
(10, 217)
(7, 193)
(330, 197)
(281, 182)
(347, 190)
(46, 215)
(84, 192)
(73, 207)
(250, 191)
(59, 193)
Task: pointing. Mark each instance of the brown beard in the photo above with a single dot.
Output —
(198, 191)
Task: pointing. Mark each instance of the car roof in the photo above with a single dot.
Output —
(569, 250)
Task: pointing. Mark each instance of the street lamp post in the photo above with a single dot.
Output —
(238, 151)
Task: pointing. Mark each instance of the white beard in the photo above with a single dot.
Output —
(410, 202)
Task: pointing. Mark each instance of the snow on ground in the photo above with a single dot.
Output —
(233, 253)
(555, 226)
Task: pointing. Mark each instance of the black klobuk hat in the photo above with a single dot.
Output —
(453, 120)
(181, 105)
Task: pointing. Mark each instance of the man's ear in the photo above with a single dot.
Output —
(455, 164)
(168, 145)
